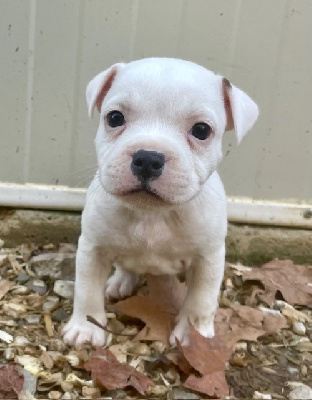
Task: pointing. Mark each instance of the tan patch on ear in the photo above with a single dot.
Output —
(227, 87)
(103, 92)
(227, 83)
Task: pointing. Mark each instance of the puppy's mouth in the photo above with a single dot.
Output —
(143, 193)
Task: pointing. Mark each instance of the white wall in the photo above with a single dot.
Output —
(50, 49)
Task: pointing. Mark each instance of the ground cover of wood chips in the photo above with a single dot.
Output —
(262, 348)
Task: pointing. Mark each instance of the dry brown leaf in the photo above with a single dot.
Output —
(285, 277)
(165, 296)
(17, 268)
(11, 381)
(178, 359)
(3, 259)
(158, 309)
(120, 350)
(238, 323)
(111, 374)
(5, 286)
(213, 384)
(273, 324)
(47, 360)
(292, 314)
(206, 355)
(245, 323)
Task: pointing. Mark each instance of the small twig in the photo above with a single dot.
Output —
(95, 322)
(48, 324)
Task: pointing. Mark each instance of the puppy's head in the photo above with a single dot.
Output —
(161, 127)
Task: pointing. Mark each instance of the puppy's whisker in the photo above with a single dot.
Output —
(95, 190)
(84, 175)
(82, 172)
(213, 192)
(204, 202)
(85, 181)
(92, 197)
(97, 184)
(90, 167)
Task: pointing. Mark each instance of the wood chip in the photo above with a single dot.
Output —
(5, 286)
(48, 324)
(46, 360)
(6, 337)
(17, 267)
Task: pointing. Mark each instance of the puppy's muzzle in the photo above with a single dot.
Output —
(147, 165)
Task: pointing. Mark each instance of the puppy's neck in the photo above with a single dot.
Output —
(145, 211)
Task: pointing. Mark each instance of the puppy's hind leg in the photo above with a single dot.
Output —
(121, 283)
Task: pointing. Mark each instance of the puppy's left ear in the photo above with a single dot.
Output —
(241, 111)
(99, 86)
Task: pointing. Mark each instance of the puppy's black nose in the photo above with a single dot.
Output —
(147, 164)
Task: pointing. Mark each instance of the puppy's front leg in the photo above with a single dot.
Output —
(92, 269)
(203, 284)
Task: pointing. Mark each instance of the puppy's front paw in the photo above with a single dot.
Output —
(78, 330)
(121, 284)
(181, 332)
(203, 324)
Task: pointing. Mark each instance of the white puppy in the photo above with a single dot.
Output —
(156, 204)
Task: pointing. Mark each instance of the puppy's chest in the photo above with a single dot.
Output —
(155, 246)
(152, 233)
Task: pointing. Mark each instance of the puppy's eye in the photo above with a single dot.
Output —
(115, 118)
(201, 131)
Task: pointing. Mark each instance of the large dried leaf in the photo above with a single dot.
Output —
(206, 356)
(165, 296)
(107, 371)
(11, 381)
(291, 280)
(158, 309)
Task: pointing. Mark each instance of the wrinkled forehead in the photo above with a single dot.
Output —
(148, 83)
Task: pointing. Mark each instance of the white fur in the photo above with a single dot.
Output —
(184, 228)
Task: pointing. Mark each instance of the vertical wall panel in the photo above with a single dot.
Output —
(254, 68)
(158, 27)
(14, 51)
(286, 166)
(53, 87)
(206, 32)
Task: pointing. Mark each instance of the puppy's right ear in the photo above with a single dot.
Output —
(241, 110)
(99, 86)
